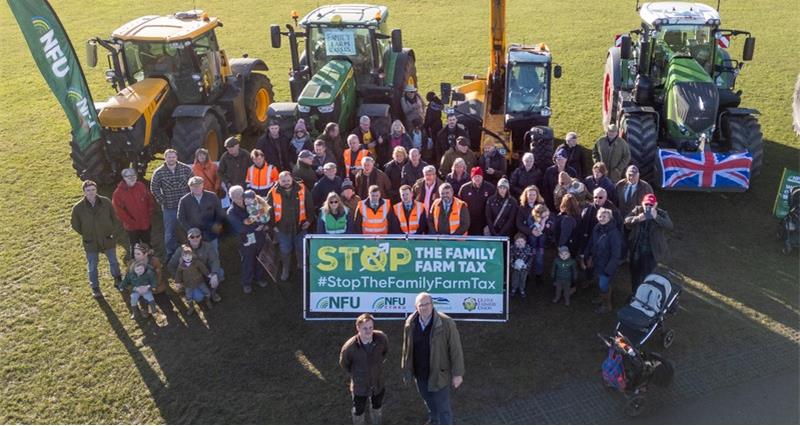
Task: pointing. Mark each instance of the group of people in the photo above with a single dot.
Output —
(376, 184)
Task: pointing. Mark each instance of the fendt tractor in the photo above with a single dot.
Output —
(670, 85)
(175, 87)
(513, 97)
(350, 65)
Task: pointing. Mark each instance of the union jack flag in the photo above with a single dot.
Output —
(701, 170)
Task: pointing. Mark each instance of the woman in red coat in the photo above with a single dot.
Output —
(206, 169)
(134, 206)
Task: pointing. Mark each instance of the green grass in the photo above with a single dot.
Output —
(68, 359)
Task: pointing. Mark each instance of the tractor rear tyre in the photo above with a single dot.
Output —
(91, 162)
(642, 135)
(192, 133)
(258, 94)
(744, 134)
(611, 88)
(405, 73)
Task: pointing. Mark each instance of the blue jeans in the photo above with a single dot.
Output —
(170, 227)
(604, 282)
(93, 258)
(251, 268)
(286, 242)
(438, 403)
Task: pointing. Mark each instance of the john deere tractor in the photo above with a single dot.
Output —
(670, 85)
(350, 65)
(175, 87)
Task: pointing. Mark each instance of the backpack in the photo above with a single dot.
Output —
(613, 370)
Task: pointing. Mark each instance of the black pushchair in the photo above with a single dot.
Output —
(789, 230)
(655, 298)
(630, 371)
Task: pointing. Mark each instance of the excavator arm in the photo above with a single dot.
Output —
(497, 61)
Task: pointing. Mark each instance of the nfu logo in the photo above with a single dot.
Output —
(82, 105)
(339, 302)
(396, 303)
(51, 47)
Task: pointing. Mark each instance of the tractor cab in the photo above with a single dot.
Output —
(528, 72)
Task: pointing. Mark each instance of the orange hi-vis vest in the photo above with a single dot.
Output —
(376, 223)
(263, 178)
(410, 224)
(454, 220)
(277, 207)
(348, 158)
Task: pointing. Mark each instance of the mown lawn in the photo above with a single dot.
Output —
(69, 359)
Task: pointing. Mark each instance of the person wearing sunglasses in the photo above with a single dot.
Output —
(334, 216)
(646, 241)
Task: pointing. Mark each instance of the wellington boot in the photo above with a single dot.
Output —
(357, 420)
(605, 306)
(285, 268)
(153, 308)
(376, 415)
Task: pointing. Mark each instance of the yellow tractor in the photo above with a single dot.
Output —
(175, 88)
(514, 96)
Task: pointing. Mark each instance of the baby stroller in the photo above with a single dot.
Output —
(630, 371)
(789, 230)
(655, 298)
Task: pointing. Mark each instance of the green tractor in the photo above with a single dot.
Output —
(350, 66)
(670, 87)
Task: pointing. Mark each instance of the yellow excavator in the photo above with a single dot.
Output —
(513, 98)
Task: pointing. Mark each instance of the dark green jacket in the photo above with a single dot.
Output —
(305, 173)
(658, 241)
(447, 356)
(132, 280)
(565, 271)
(98, 225)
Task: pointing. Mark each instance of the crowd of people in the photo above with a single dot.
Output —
(424, 180)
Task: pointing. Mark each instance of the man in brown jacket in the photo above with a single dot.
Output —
(432, 355)
(362, 357)
(647, 244)
(613, 151)
(370, 175)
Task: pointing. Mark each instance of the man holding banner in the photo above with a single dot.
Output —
(433, 356)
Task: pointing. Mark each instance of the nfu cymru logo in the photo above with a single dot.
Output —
(397, 303)
(51, 47)
(340, 303)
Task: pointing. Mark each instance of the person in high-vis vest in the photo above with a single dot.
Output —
(353, 156)
(261, 176)
(292, 216)
(334, 216)
(411, 216)
(449, 215)
(374, 215)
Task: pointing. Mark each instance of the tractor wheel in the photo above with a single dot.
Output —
(192, 133)
(611, 88)
(642, 135)
(744, 134)
(91, 163)
(796, 106)
(405, 73)
(258, 94)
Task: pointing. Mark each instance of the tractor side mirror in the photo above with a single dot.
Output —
(91, 53)
(470, 77)
(275, 36)
(749, 48)
(446, 89)
(397, 41)
(459, 97)
(557, 71)
(625, 47)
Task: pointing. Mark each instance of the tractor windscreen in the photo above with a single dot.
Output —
(145, 59)
(326, 43)
(527, 87)
(696, 105)
(687, 40)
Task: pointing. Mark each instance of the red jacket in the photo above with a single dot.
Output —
(134, 206)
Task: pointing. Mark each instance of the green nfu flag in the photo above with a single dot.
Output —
(55, 57)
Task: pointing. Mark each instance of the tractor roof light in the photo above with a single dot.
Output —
(546, 112)
(303, 108)
(295, 14)
(714, 22)
(378, 16)
(661, 21)
(326, 109)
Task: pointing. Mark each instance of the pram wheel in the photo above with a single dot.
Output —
(667, 337)
(635, 406)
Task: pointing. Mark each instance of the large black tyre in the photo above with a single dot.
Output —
(642, 135)
(91, 163)
(405, 73)
(258, 94)
(611, 87)
(191, 133)
(744, 134)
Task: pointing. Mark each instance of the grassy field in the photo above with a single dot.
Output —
(69, 359)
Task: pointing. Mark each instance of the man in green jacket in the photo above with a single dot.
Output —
(94, 219)
(432, 355)
(613, 151)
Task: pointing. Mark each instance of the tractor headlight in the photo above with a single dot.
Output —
(325, 109)
(546, 112)
(304, 109)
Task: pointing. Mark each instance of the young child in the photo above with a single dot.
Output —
(257, 207)
(192, 275)
(521, 256)
(541, 231)
(141, 280)
(564, 273)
